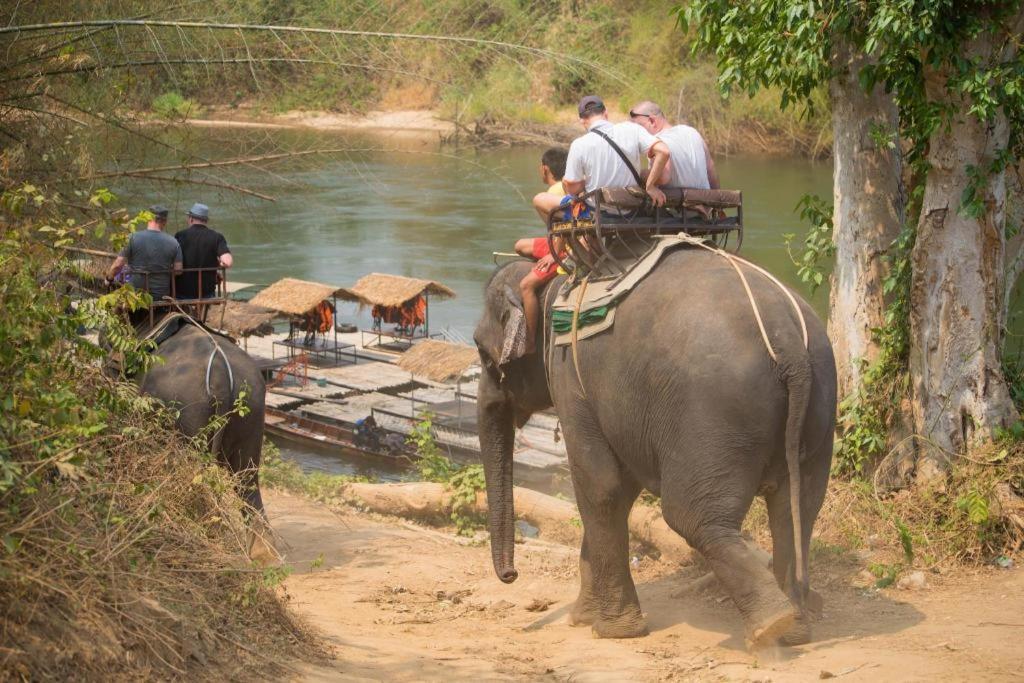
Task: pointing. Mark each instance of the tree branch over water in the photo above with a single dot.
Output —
(149, 173)
(59, 27)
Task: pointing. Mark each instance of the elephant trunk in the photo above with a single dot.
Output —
(495, 424)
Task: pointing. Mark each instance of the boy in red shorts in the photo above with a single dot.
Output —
(552, 168)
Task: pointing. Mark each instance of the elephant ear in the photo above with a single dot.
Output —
(501, 336)
(514, 326)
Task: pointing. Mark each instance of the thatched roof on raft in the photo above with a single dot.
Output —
(242, 319)
(438, 361)
(295, 297)
(380, 289)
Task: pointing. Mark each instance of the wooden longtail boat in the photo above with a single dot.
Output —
(290, 426)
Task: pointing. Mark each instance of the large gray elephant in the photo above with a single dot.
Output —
(202, 383)
(681, 398)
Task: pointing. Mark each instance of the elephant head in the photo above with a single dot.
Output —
(508, 394)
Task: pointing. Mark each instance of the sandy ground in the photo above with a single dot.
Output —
(414, 123)
(398, 602)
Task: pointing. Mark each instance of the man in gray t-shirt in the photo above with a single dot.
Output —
(151, 256)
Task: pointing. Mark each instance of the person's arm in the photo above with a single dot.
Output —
(116, 267)
(574, 187)
(712, 173)
(223, 253)
(660, 151)
(179, 264)
(666, 175)
(574, 180)
(120, 261)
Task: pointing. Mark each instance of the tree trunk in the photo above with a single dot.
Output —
(558, 520)
(957, 293)
(1015, 246)
(868, 214)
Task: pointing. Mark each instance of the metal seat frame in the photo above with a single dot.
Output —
(624, 221)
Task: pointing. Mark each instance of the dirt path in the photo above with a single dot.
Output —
(402, 603)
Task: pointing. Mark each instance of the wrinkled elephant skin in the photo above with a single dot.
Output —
(680, 397)
(180, 382)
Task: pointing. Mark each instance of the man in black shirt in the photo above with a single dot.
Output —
(201, 247)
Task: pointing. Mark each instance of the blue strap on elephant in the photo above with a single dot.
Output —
(561, 321)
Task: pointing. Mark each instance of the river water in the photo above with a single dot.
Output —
(410, 207)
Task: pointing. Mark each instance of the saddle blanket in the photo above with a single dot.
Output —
(592, 304)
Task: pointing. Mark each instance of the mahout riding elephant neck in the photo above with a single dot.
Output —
(681, 398)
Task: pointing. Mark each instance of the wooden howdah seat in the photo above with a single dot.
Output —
(623, 222)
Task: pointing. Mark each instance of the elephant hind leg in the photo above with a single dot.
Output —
(780, 519)
(241, 451)
(711, 524)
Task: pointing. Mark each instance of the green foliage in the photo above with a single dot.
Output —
(906, 541)
(884, 573)
(431, 463)
(105, 509)
(818, 246)
(42, 347)
(975, 506)
(867, 414)
(788, 44)
(173, 106)
(763, 44)
(464, 483)
(277, 472)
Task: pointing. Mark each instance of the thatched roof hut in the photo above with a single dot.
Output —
(242, 319)
(379, 289)
(439, 361)
(296, 297)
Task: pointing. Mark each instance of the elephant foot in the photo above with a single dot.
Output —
(768, 629)
(814, 604)
(582, 614)
(798, 634)
(630, 625)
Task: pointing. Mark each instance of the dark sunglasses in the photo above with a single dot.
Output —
(633, 115)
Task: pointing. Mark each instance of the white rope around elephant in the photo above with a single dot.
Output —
(732, 259)
(216, 350)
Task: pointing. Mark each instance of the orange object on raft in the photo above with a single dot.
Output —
(325, 313)
(410, 314)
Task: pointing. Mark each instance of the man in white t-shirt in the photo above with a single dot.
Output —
(690, 164)
(594, 163)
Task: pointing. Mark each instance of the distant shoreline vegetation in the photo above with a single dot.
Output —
(498, 71)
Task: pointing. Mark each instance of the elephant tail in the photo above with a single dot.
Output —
(798, 383)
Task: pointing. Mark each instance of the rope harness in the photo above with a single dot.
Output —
(213, 354)
(735, 262)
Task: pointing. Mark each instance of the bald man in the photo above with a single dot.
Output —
(690, 163)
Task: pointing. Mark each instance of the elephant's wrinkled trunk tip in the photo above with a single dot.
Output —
(507, 574)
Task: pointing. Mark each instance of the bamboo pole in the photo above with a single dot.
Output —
(307, 31)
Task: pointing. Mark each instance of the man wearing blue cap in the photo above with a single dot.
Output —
(201, 248)
(150, 257)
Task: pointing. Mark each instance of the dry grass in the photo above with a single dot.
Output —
(242, 319)
(294, 297)
(439, 361)
(393, 290)
(973, 518)
(132, 564)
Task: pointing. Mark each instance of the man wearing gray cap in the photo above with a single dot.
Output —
(202, 248)
(151, 256)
